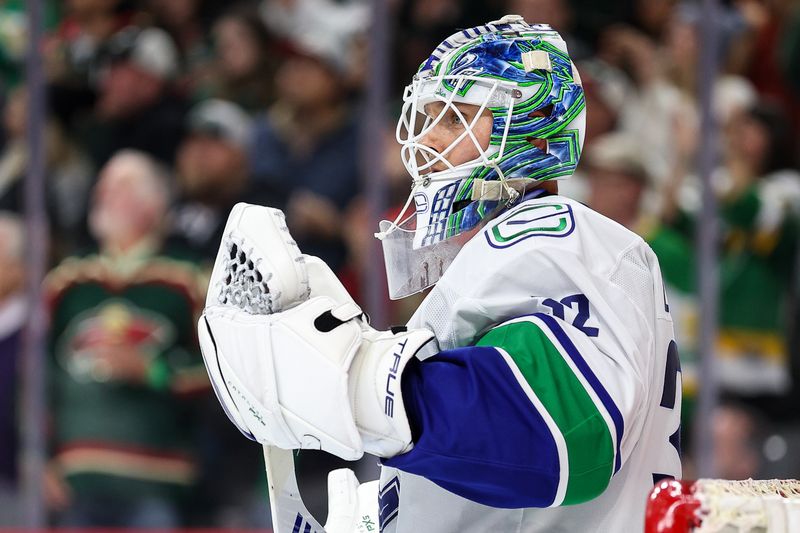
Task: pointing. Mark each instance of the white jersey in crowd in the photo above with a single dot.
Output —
(555, 401)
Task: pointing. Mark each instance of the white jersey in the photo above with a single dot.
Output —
(555, 401)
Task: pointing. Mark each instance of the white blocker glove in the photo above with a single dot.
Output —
(308, 375)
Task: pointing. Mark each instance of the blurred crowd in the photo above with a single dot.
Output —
(161, 115)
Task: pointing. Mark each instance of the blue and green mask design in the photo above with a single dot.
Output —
(522, 76)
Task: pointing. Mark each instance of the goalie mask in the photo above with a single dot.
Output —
(523, 77)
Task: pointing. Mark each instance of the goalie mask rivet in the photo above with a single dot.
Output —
(426, 182)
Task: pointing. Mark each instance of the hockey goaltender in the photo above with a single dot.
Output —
(536, 388)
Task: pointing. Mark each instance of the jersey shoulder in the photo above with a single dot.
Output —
(549, 229)
(546, 249)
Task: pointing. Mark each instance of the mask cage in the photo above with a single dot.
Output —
(423, 240)
(440, 187)
(414, 125)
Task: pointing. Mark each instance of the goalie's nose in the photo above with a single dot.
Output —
(432, 143)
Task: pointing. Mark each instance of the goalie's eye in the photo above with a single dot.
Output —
(450, 119)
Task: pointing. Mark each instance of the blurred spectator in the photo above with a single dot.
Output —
(13, 312)
(13, 43)
(245, 62)
(14, 38)
(789, 56)
(618, 179)
(290, 20)
(768, 53)
(738, 434)
(68, 176)
(655, 103)
(759, 196)
(13, 160)
(137, 106)
(79, 40)
(74, 54)
(326, 28)
(124, 362)
(213, 174)
(682, 38)
(186, 22)
(306, 145)
(420, 25)
(659, 53)
(759, 200)
(652, 16)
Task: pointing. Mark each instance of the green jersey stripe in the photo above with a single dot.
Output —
(602, 406)
(589, 442)
(561, 444)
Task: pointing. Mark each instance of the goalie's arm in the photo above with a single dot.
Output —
(532, 416)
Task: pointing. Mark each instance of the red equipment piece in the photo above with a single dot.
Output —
(672, 508)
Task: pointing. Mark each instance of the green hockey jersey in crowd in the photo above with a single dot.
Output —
(124, 438)
(757, 259)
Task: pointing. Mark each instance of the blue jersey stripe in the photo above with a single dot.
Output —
(476, 432)
(388, 503)
(598, 388)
